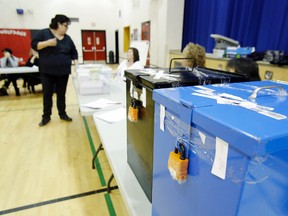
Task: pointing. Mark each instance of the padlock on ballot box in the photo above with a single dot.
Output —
(135, 110)
(178, 164)
(133, 114)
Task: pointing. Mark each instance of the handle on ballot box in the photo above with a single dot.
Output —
(173, 59)
(282, 91)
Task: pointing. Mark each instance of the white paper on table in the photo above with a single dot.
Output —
(113, 116)
(100, 104)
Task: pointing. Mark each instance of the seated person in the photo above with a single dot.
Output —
(196, 54)
(132, 62)
(33, 59)
(32, 79)
(9, 60)
(244, 66)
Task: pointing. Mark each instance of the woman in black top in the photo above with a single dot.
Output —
(56, 52)
(32, 79)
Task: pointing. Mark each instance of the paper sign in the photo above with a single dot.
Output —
(162, 117)
(202, 137)
(159, 74)
(143, 97)
(131, 89)
(220, 160)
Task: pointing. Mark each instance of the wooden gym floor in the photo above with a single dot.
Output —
(48, 170)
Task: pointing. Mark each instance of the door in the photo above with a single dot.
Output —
(145, 35)
(126, 38)
(93, 45)
(117, 47)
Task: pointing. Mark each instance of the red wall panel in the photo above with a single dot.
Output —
(18, 40)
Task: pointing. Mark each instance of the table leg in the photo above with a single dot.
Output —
(109, 183)
(96, 153)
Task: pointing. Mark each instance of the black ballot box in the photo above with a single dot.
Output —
(140, 110)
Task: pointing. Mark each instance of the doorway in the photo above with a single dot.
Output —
(116, 47)
(145, 35)
(94, 46)
(126, 38)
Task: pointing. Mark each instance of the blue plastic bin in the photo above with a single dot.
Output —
(236, 140)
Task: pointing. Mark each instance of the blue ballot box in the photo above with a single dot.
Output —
(235, 139)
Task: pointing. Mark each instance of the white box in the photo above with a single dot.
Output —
(94, 79)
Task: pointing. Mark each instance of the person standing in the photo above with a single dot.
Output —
(56, 53)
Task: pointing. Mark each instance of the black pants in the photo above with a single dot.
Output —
(51, 84)
(12, 78)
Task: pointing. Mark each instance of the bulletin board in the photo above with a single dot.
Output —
(143, 48)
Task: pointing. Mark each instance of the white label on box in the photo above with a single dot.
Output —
(143, 97)
(135, 95)
(131, 89)
(202, 137)
(220, 160)
(274, 115)
(159, 74)
(162, 117)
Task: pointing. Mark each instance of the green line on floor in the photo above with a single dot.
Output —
(97, 163)
(110, 205)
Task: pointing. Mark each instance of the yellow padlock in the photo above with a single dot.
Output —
(178, 164)
(133, 114)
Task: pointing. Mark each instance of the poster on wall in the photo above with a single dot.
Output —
(135, 32)
(18, 40)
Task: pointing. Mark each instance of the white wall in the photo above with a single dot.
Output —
(166, 20)
(165, 16)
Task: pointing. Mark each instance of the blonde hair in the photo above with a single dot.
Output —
(197, 54)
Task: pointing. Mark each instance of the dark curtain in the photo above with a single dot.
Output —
(259, 23)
